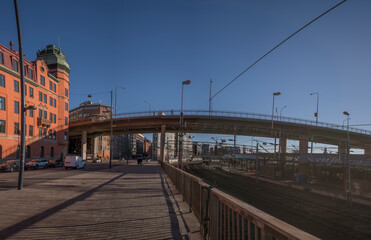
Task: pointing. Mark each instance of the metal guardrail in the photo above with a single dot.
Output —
(222, 216)
(243, 115)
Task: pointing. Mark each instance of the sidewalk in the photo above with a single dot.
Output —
(126, 202)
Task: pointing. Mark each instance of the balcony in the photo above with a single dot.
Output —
(43, 122)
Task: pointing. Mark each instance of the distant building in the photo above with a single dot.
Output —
(90, 110)
(46, 88)
(147, 147)
(97, 146)
(171, 149)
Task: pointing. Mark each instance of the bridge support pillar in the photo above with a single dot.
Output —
(368, 151)
(283, 143)
(303, 146)
(342, 149)
(162, 142)
(84, 140)
(94, 146)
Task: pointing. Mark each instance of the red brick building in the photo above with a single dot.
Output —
(47, 88)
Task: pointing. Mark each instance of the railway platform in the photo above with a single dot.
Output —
(126, 202)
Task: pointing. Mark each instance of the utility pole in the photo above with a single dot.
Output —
(111, 138)
(211, 82)
(257, 162)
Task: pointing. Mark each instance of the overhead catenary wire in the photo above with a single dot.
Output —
(249, 67)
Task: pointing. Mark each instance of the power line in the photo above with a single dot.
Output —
(306, 25)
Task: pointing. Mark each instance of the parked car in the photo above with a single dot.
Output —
(10, 166)
(41, 163)
(75, 162)
(55, 163)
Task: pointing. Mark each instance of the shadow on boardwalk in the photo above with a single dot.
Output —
(126, 202)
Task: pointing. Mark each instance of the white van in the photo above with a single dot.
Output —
(74, 162)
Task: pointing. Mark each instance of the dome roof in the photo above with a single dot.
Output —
(54, 58)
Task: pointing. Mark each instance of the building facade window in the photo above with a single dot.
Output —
(41, 152)
(2, 126)
(16, 86)
(40, 132)
(65, 120)
(51, 101)
(44, 132)
(1, 58)
(18, 152)
(66, 106)
(40, 96)
(2, 80)
(30, 131)
(50, 133)
(16, 107)
(66, 92)
(55, 134)
(51, 117)
(42, 80)
(54, 87)
(45, 116)
(45, 98)
(15, 65)
(16, 128)
(65, 136)
(2, 103)
(31, 92)
(28, 151)
(50, 86)
(30, 113)
(55, 118)
(55, 103)
(52, 152)
(30, 73)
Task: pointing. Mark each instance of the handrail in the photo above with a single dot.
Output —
(242, 115)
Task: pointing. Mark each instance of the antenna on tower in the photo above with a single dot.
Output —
(59, 42)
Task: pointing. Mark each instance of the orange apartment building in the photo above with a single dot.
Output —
(47, 88)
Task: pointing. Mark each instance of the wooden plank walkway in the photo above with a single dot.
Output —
(126, 202)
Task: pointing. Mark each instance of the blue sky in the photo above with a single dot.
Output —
(150, 47)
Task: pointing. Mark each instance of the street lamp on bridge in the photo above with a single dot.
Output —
(116, 96)
(149, 106)
(187, 82)
(316, 113)
(275, 139)
(348, 186)
(281, 112)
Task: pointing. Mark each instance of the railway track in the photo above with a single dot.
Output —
(324, 217)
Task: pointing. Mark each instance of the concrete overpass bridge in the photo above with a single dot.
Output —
(222, 122)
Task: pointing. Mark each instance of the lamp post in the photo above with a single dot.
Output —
(116, 96)
(281, 112)
(316, 113)
(187, 82)
(111, 129)
(348, 179)
(210, 100)
(149, 106)
(275, 139)
(23, 107)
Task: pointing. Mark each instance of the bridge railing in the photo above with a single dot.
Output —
(243, 115)
(222, 216)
